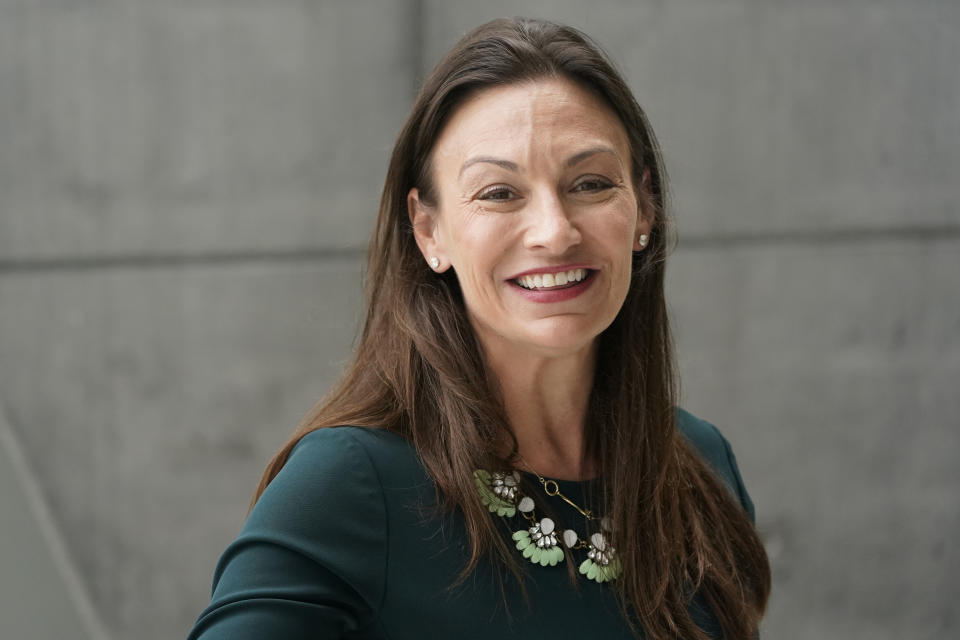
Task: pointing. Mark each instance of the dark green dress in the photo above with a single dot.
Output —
(344, 544)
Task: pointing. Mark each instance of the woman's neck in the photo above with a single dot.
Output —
(546, 403)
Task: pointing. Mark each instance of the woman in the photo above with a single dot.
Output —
(514, 465)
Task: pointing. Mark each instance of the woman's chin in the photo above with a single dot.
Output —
(556, 341)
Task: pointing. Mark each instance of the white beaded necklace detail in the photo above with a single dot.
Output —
(500, 492)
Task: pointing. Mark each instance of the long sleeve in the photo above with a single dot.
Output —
(310, 560)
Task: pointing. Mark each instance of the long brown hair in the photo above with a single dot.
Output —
(418, 369)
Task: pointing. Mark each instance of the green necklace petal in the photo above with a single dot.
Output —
(500, 505)
(602, 563)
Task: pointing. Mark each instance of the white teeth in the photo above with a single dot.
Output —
(546, 280)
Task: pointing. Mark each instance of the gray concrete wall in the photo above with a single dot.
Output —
(185, 192)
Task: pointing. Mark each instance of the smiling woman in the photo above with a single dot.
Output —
(531, 182)
(510, 409)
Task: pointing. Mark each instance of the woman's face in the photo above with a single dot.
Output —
(537, 214)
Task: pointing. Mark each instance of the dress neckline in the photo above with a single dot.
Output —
(564, 485)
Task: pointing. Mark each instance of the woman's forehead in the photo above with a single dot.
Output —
(551, 116)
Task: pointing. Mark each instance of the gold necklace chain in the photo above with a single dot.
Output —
(552, 489)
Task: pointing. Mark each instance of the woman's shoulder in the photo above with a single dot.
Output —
(715, 450)
(331, 470)
(705, 438)
(348, 452)
(331, 442)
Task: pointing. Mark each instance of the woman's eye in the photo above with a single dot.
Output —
(592, 184)
(496, 193)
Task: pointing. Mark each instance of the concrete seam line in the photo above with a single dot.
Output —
(179, 260)
(59, 554)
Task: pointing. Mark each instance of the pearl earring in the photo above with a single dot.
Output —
(643, 240)
(434, 262)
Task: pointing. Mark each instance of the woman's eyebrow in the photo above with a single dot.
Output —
(500, 162)
(512, 166)
(586, 153)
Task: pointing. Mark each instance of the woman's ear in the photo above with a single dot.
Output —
(422, 219)
(645, 214)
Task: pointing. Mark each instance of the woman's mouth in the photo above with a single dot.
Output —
(550, 281)
(556, 286)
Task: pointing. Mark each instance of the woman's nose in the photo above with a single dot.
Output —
(550, 226)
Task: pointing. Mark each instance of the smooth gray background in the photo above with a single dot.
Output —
(186, 187)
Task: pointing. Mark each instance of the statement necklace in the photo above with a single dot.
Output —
(500, 492)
